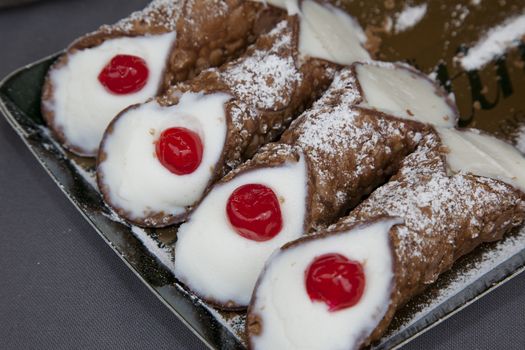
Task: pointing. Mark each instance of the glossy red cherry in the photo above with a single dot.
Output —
(179, 150)
(335, 280)
(124, 74)
(254, 212)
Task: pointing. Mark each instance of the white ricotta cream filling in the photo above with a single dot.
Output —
(404, 94)
(289, 318)
(81, 105)
(137, 181)
(219, 264)
(329, 33)
(484, 155)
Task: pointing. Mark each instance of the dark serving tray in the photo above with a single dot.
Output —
(497, 105)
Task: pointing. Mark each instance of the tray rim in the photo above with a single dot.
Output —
(23, 135)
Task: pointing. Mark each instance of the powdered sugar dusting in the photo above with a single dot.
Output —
(425, 196)
(320, 127)
(159, 13)
(322, 138)
(323, 133)
(88, 175)
(342, 91)
(234, 323)
(330, 128)
(409, 17)
(162, 252)
(220, 9)
(498, 40)
(262, 79)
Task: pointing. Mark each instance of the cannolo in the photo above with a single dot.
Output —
(331, 156)
(142, 55)
(340, 289)
(157, 159)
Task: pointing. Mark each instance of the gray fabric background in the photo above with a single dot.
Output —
(61, 287)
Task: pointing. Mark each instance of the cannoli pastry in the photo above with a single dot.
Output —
(116, 66)
(340, 289)
(331, 156)
(157, 159)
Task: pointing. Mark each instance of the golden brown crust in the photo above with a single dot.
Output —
(210, 33)
(341, 175)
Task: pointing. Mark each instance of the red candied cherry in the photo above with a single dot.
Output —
(254, 212)
(124, 74)
(179, 150)
(335, 280)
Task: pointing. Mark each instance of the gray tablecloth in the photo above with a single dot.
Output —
(61, 287)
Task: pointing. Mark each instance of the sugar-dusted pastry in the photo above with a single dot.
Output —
(331, 156)
(340, 289)
(123, 64)
(158, 159)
